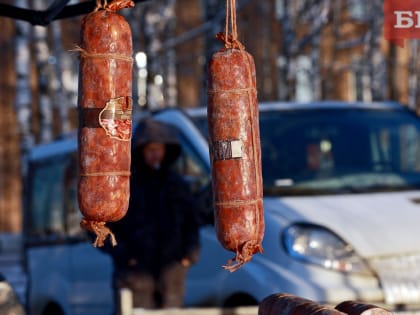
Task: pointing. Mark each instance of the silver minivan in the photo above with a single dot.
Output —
(342, 209)
(341, 202)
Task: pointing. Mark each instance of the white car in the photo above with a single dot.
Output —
(342, 209)
(341, 202)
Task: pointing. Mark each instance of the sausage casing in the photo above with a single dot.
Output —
(235, 154)
(104, 134)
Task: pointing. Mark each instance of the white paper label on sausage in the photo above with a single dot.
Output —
(226, 150)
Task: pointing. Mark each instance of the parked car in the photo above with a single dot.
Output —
(66, 275)
(341, 203)
(342, 209)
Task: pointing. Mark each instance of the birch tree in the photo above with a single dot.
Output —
(49, 57)
(169, 55)
(369, 66)
(212, 9)
(139, 92)
(60, 101)
(159, 27)
(413, 74)
(297, 68)
(374, 70)
(42, 55)
(283, 60)
(23, 90)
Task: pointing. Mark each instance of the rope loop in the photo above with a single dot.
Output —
(114, 5)
(230, 39)
(100, 4)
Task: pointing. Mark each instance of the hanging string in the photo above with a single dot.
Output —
(231, 17)
(230, 40)
(100, 5)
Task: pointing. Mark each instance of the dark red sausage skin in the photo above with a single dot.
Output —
(104, 134)
(235, 154)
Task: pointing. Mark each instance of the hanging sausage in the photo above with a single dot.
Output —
(235, 151)
(105, 105)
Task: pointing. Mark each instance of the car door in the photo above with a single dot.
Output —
(65, 272)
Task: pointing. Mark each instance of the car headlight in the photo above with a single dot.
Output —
(318, 245)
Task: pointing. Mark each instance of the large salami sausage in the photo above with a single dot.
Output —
(104, 134)
(235, 151)
(289, 304)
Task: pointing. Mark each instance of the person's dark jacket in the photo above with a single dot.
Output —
(161, 224)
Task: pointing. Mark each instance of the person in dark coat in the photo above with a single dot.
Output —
(158, 237)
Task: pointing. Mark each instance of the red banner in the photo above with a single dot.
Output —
(401, 20)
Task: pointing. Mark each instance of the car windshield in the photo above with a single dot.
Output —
(317, 151)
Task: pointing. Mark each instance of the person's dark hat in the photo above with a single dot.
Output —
(150, 130)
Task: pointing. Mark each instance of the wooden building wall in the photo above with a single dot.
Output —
(10, 183)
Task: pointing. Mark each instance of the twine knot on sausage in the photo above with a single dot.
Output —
(243, 255)
(230, 41)
(114, 6)
(100, 230)
(86, 55)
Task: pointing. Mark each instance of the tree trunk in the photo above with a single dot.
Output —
(170, 84)
(23, 90)
(413, 79)
(61, 103)
(42, 55)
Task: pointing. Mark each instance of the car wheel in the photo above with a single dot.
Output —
(53, 309)
(240, 299)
